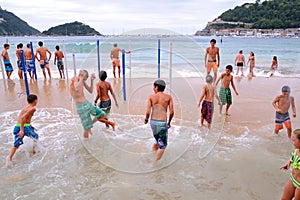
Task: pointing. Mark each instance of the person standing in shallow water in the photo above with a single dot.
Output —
(8, 67)
(240, 62)
(114, 56)
(158, 105)
(19, 61)
(58, 56)
(43, 58)
(213, 56)
(251, 61)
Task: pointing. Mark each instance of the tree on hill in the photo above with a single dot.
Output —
(74, 28)
(270, 14)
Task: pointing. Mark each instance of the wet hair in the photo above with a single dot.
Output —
(297, 133)
(160, 84)
(275, 58)
(286, 89)
(6, 45)
(20, 45)
(102, 75)
(229, 67)
(213, 40)
(40, 43)
(57, 47)
(31, 98)
(209, 79)
(115, 44)
(28, 45)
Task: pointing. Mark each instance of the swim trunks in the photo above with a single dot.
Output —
(43, 63)
(29, 65)
(240, 64)
(85, 110)
(212, 64)
(60, 65)
(19, 63)
(116, 62)
(160, 132)
(28, 131)
(281, 118)
(105, 106)
(225, 96)
(8, 66)
(207, 110)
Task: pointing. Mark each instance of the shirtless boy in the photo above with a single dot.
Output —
(103, 87)
(225, 92)
(23, 127)
(19, 61)
(29, 61)
(213, 55)
(85, 108)
(282, 105)
(240, 62)
(158, 105)
(60, 65)
(208, 93)
(114, 56)
(43, 59)
(8, 67)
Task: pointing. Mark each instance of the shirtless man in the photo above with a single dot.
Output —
(23, 127)
(43, 60)
(103, 87)
(85, 108)
(239, 62)
(29, 61)
(213, 55)
(8, 67)
(114, 56)
(225, 92)
(282, 105)
(60, 65)
(158, 105)
(19, 61)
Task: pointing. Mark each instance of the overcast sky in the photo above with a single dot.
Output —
(119, 16)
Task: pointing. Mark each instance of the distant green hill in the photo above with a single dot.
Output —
(269, 14)
(10, 24)
(74, 28)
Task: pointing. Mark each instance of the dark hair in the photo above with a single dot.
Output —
(229, 67)
(20, 45)
(115, 44)
(297, 133)
(160, 84)
(57, 47)
(31, 98)
(102, 75)
(28, 45)
(251, 52)
(213, 40)
(6, 45)
(40, 43)
(275, 58)
(241, 51)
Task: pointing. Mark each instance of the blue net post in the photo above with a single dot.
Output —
(98, 54)
(25, 73)
(123, 73)
(33, 61)
(158, 59)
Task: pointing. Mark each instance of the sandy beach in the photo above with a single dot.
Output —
(242, 160)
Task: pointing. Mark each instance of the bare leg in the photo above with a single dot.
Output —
(48, 69)
(158, 155)
(104, 120)
(20, 74)
(86, 133)
(44, 73)
(227, 108)
(114, 71)
(221, 106)
(119, 71)
(289, 191)
(154, 147)
(289, 132)
(12, 153)
(201, 121)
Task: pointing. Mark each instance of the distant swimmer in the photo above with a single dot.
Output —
(225, 92)
(207, 108)
(29, 61)
(114, 56)
(43, 58)
(274, 65)
(292, 186)
(19, 61)
(103, 87)
(213, 60)
(23, 127)
(158, 105)
(282, 105)
(8, 67)
(251, 61)
(58, 56)
(239, 62)
(85, 108)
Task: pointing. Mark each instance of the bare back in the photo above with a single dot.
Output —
(59, 55)
(240, 58)
(26, 114)
(102, 90)
(42, 51)
(115, 53)
(28, 54)
(159, 103)
(18, 54)
(209, 92)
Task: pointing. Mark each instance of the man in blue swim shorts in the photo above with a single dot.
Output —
(8, 67)
(157, 107)
(19, 61)
(43, 58)
(23, 127)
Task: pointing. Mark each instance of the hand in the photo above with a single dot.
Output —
(236, 93)
(93, 76)
(169, 125)
(21, 134)
(286, 166)
(117, 105)
(294, 115)
(198, 104)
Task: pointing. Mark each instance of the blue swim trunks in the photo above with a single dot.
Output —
(29, 66)
(19, 63)
(28, 131)
(43, 63)
(85, 110)
(60, 65)
(160, 132)
(8, 66)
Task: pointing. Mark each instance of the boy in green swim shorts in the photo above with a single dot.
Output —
(225, 93)
(85, 108)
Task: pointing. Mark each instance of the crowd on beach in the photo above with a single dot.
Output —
(159, 109)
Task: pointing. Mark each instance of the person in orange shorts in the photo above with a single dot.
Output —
(213, 55)
(114, 56)
(282, 104)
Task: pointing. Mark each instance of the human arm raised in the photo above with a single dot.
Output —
(90, 88)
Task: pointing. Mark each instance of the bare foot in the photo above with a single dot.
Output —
(154, 147)
(113, 125)
(228, 114)
(107, 125)
(8, 164)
